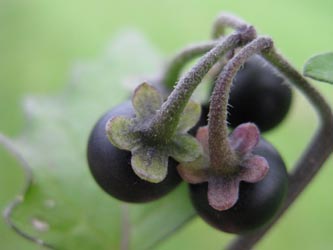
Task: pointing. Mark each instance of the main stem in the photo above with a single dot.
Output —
(317, 152)
(222, 157)
(313, 158)
(166, 120)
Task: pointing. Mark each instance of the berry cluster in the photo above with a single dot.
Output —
(141, 150)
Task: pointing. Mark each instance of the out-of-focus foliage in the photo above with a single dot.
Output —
(63, 198)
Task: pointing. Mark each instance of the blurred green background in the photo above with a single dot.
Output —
(40, 40)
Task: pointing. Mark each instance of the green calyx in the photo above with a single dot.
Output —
(151, 149)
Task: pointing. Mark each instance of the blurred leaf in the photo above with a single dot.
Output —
(320, 67)
(63, 205)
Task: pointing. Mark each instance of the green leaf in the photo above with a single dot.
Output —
(320, 67)
(62, 205)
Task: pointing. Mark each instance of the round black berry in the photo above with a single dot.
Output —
(257, 202)
(258, 95)
(111, 167)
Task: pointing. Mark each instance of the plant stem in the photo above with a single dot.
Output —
(172, 72)
(222, 157)
(125, 227)
(227, 20)
(166, 120)
(312, 159)
(174, 67)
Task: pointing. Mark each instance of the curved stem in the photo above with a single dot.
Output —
(176, 64)
(165, 121)
(227, 20)
(312, 159)
(172, 72)
(221, 155)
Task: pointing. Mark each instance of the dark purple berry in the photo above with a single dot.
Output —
(258, 95)
(257, 202)
(111, 167)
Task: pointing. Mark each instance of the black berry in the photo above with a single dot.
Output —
(258, 95)
(111, 167)
(257, 203)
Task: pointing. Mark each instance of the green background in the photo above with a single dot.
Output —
(41, 40)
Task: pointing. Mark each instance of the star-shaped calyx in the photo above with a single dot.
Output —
(150, 151)
(223, 189)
